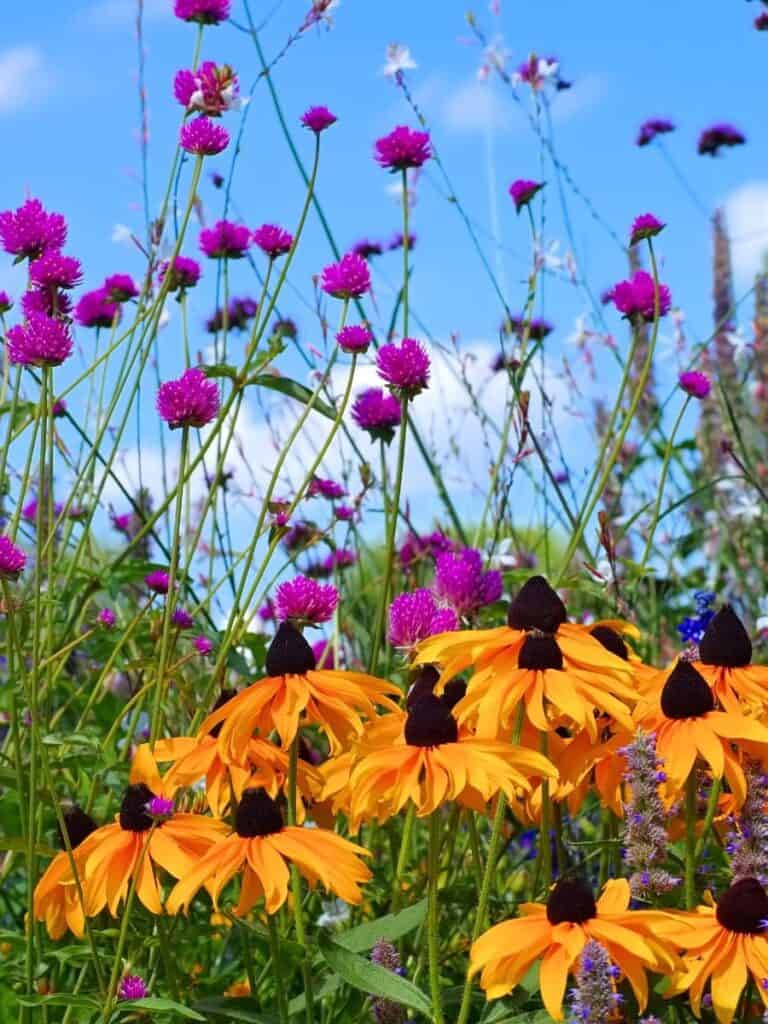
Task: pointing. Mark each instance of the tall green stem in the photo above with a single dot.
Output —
(298, 910)
(690, 841)
(662, 481)
(433, 932)
(402, 857)
(406, 246)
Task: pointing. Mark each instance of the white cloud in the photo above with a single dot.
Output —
(24, 78)
(585, 93)
(746, 211)
(474, 107)
(108, 13)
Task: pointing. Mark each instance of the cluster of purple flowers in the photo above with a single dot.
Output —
(693, 627)
(416, 548)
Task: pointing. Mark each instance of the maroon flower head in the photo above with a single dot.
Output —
(347, 279)
(54, 270)
(354, 339)
(636, 300)
(404, 367)
(120, 288)
(225, 240)
(761, 22)
(183, 273)
(211, 90)
(523, 191)
(317, 119)
(398, 239)
(30, 230)
(94, 309)
(304, 600)
(651, 128)
(40, 341)
(717, 136)
(158, 581)
(59, 408)
(378, 413)
(537, 329)
(695, 384)
(192, 400)
(12, 559)
(402, 148)
(6, 302)
(273, 240)
(645, 226)
(203, 137)
(205, 12)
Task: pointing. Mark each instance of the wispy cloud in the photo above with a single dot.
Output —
(110, 13)
(746, 211)
(25, 79)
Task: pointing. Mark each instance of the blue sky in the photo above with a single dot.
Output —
(68, 104)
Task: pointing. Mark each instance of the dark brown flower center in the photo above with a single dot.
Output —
(224, 697)
(289, 653)
(743, 907)
(257, 814)
(133, 810)
(686, 693)
(571, 900)
(540, 652)
(611, 641)
(725, 641)
(422, 685)
(454, 692)
(79, 826)
(536, 606)
(430, 723)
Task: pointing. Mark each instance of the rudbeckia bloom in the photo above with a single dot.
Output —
(725, 944)
(56, 903)
(296, 690)
(262, 848)
(556, 933)
(725, 655)
(556, 670)
(429, 762)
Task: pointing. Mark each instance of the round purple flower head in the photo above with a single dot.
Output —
(225, 240)
(94, 309)
(158, 581)
(347, 279)
(210, 90)
(183, 273)
(181, 619)
(523, 191)
(132, 986)
(107, 618)
(54, 270)
(30, 231)
(354, 339)
(202, 645)
(712, 139)
(120, 288)
(41, 341)
(416, 549)
(203, 137)
(461, 583)
(636, 298)
(160, 807)
(645, 226)
(414, 616)
(47, 302)
(192, 400)
(651, 128)
(404, 367)
(273, 240)
(402, 148)
(761, 22)
(325, 489)
(317, 119)
(59, 408)
(12, 559)
(377, 413)
(695, 384)
(304, 600)
(205, 12)
(6, 302)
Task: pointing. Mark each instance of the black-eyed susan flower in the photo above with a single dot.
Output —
(429, 761)
(261, 848)
(725, 656)
(296, 692)
(55, 903)
(556, 933)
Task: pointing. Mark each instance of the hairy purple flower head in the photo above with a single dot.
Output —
(651, 128)
(239, 314)
(274, 241)
(695, 384)
(55, 270)
(192, 400)
(12, 559)
(6, 302)
(461, 583)
(183, 273)
(354, 339)
(204, 12)
(387, 1011)
(211, 90)
(107, 618)
(317, 119)
(29, 511)
(635, 298)
(323, 488)
(378, 413)
(347, 279)
(717, 136)
(202, 645)
(132, 986)
(645, 226)
(120, 288)
(158, 581)
(402, 148)
(94, 309)
(344, 513)
(181, 619)
(30, 230)
(404, 367)
(225, 240)
(40, 341)
(160, 807)
(522, 191)
(415, 615)
(304, 600)
(416, 549)
(203, 137)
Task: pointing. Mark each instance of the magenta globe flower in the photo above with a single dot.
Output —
(183, 273)
(132, 986)
(635, 298)
(181, 619)
(717, 136)
(402, 149)
(330, 489)
(59, 408)
(306, 601)
(192, 400)
(55, 270)
(354, 339)
(273, 240)
(225, 240)
(317, 119)
(12, 559)
(414, 616)
(204, 12)
(404, 367)
(94, 309)
(202, 645)
(211, 90)
(522, 191)
(120, 288)
(348, 279)
(158, 581)
(652, 128)
(461, 583)
(46, 302)
(30, 231)
(6, 302)
(107, 618)
(695, 384)
(378, 413)
(203, 137)
(645, 226)
(40, 341)
(761, 22)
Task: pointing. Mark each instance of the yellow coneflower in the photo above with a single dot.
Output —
(725, 656)
(54, 902)
(260, 849)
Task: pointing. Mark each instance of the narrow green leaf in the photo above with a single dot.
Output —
(243, 1009)
(161, 1006)
(19, 845)
(390, 927)
(220, 370)
(376, 981)
(292, 389)
(77, 1002)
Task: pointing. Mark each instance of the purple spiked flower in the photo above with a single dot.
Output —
(651, 128)
(203, 137)
(461, 583)
(317, 119)
(107, 618)
(522, 191)
(132, 986)
(377, 413)
(715, 137)
(747, 841)
(304, 600)
(645, 226)
(41, 341)
(695, 384)
(635, 298)
(120, 288)
(158, 581)
(402, 148)
(192, 400)
(347, 279)
(183, 273)
(54, 270)
(594, 999)
(205, 12)
(386, 1011)
(12, 559)
(94, 309)
(415, 615)
(354, 339)
(404, 367)
(274, 241)
(30, 231)
(225, 240)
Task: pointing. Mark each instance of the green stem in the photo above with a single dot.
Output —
(274, 945)
(545, 843)
(662, 481)
(298, 910)
(406, 242)
(433, 934)
(690, 841)
(403, 855)
(709, 817)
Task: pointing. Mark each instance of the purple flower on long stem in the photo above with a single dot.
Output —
(416, 615)
(190, 401)
(304, 600)
(30, 231)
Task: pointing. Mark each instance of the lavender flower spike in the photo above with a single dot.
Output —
(747, 841)
(594, 999)
(385, 1011)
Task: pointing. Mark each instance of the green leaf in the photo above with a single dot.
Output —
(390, 927)
(376, 981)
(161, 1006)
(242, 1009)
(19, 845)
(292, 389)
(77, 1002)
(220, 370)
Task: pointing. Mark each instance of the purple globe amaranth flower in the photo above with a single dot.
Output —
(30, 230)
(211, 90)
(204, 12)
(94, 309)
(107, 618)
(239, 313)
(718, 135)
(695, 384)
(181, 619)
(202, 644)
(415, 548)
(120, 288)
(645, 226)
(40, 341)
(225, 240)
(329, 489)
(415, 615)
(651, 128)
(378, 413)
(55, 270)
(344, 513)
(12, 559)
(761, 22)
(522, 191)
(192, 400)
(341, 558)
(6, 302)
(59, 409)
(182, 273)
(635, 298)
(402, 148)
(354, 339)
(274, 241)
(46, 302)
(304, 600)
(461, 583)
(404, 367)
(158, 581)
(160, 807)
(132, 986)
(29, 511)
(317, 119)
(347, 279)
(203, 137)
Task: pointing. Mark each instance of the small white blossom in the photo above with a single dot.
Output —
(121, 233)
(398, 59)
(334, 912)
